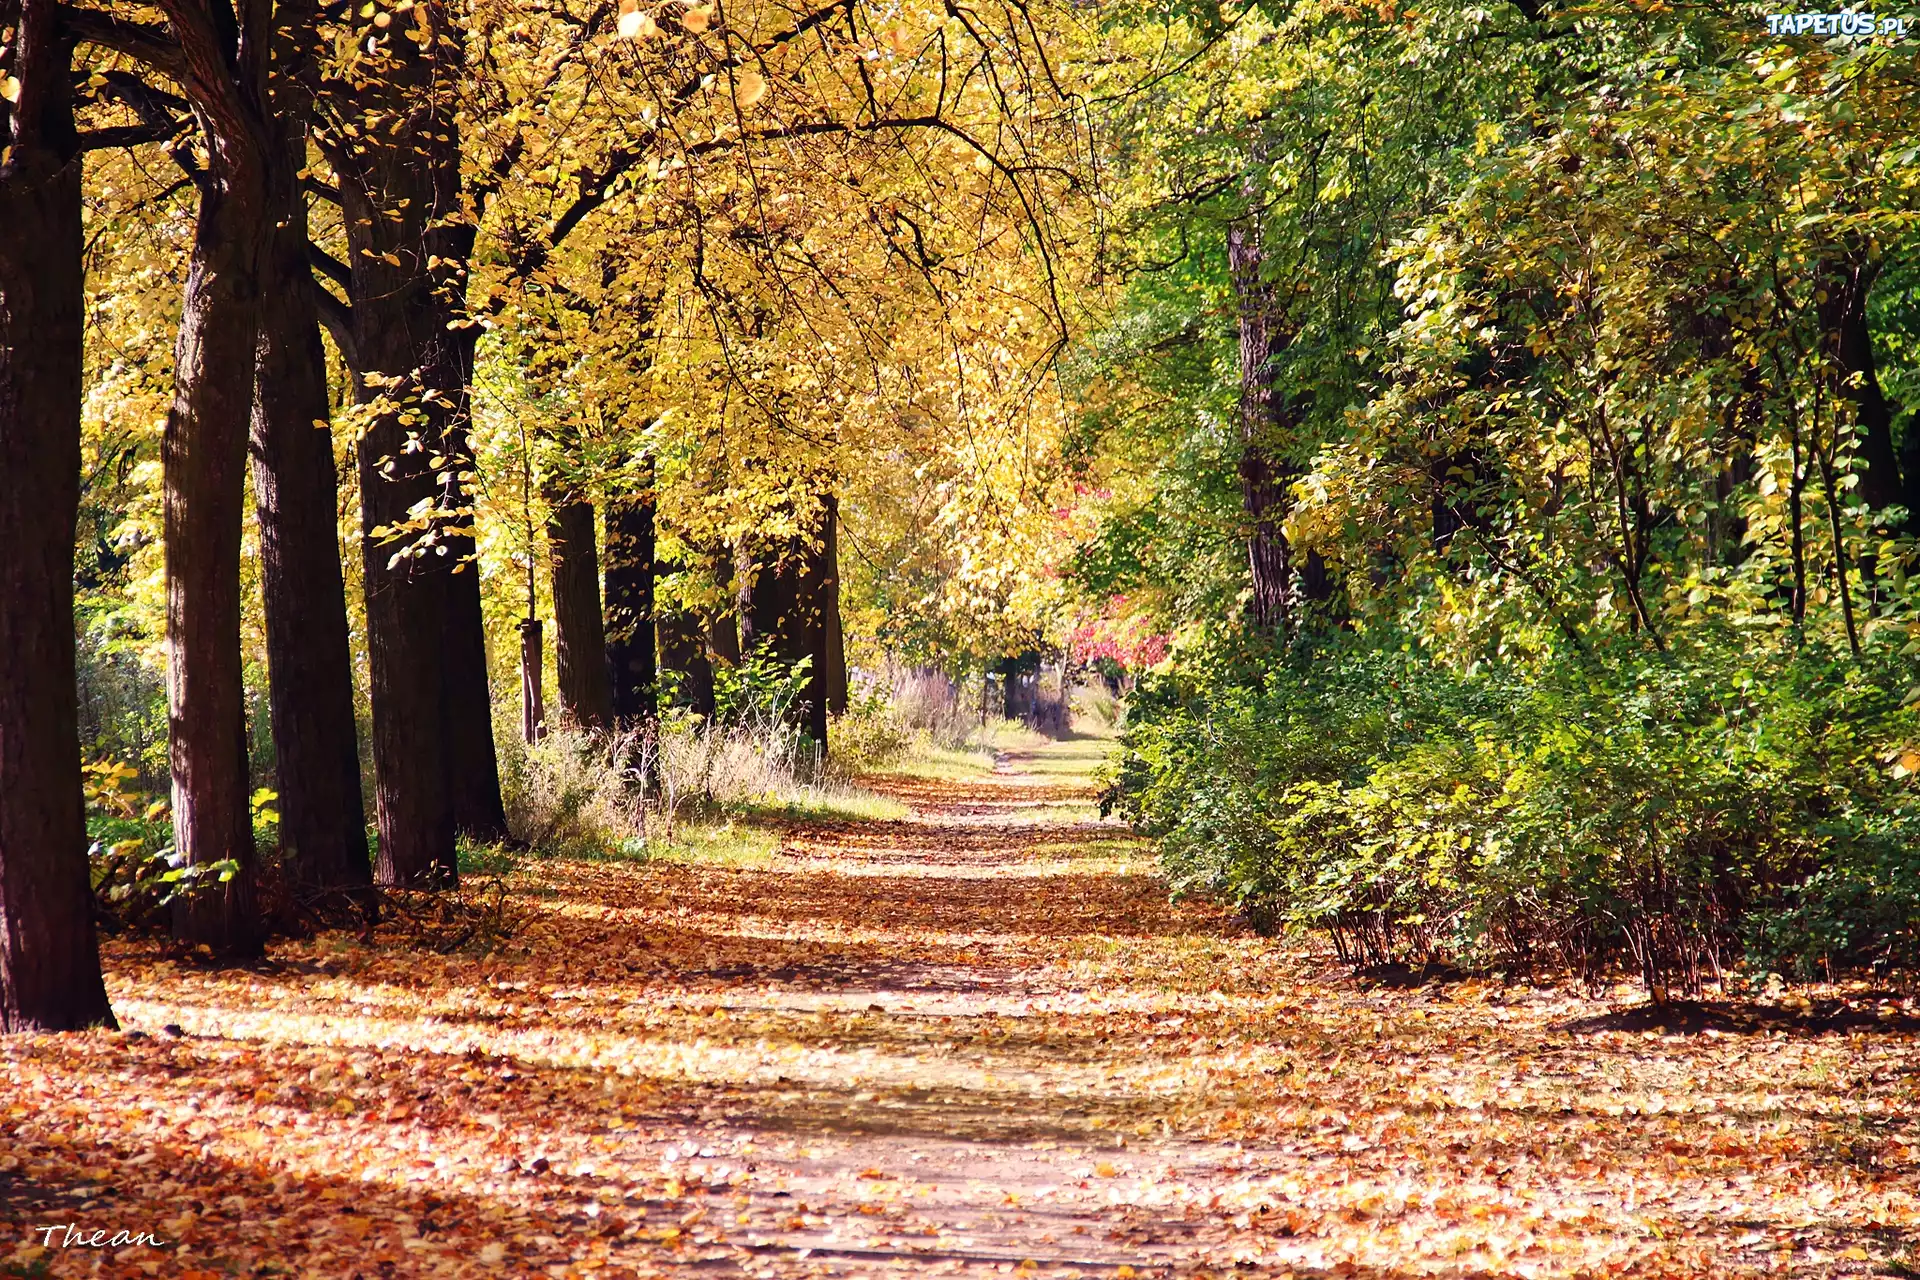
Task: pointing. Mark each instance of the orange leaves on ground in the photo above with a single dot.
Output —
(967, 1041)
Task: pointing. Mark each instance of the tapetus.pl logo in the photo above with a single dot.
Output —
(1854, 26)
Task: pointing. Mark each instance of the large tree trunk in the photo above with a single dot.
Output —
(580, 638)
(405, 566)
(630, 610)
(683, 649)
(406, 588)
(49, 959)
(204, 453)
(1264, 477)
(436, 771)
(323, 825)
(473, 761)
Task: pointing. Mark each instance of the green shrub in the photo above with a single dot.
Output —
(1669, 813)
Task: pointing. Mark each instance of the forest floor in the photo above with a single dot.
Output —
(976, 1041)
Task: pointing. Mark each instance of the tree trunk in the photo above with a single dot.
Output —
(1264, 479)
(405, 583)
(580, 638)
(323, 825)
(1263, 492)
(783, 611)
(49, 958)
(630, 610)
(533, 698)
(723, 629)
(473, 761)
(1849, 343)
(682, 650)
(204, 453)
(435, 765)
(813, 579)
(836, 639)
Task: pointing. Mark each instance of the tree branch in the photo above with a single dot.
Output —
(329, 266)
(127, 135)
(337, 318)
(152, 47)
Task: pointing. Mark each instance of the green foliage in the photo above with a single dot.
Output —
(130, 852)
(1667, 812)
(870, 736)
(1561, 308)
(760, 688)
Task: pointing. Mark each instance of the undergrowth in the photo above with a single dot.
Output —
(1676, 815)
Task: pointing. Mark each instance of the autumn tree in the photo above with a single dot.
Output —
(49, 960)
(387, 126)
(218, 55)
(316, 743)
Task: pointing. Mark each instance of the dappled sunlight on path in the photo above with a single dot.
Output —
(979, 1040)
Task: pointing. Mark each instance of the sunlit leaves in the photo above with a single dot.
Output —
(634, 24)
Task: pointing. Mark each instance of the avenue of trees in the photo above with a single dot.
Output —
(1493, 426)
(661, 289)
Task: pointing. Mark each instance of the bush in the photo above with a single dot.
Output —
(870, 736)
(930, 705)
(130, 853)
(576, 793)
(1670, 813)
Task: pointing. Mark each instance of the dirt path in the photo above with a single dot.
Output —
(977, 1041)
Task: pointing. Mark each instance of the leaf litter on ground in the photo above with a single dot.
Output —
(978, 1040)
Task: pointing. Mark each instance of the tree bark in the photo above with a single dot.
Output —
(49, 957)
(835, 638)
(1849, 342)
(533, 700)
(1263, 493)
(436, 771)
(323, 825)
(204, 454)
(810, 622)
(580, 638)
(473, 761)
(405, 570)
(682, 650)
(630, 611)
(723, 629)
(783, 610)
(1264, 424)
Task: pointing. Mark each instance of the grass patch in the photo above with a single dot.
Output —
(485, 859)
(944, 764)
(1117, 849)
(727, 843)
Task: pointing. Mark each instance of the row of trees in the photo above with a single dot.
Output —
(1470, 258)
(1549, 365)
(620, 216)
